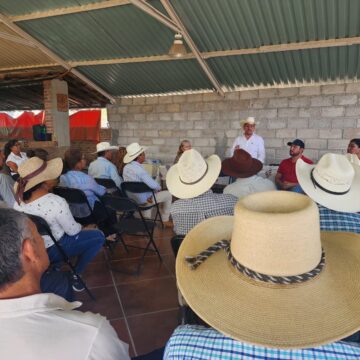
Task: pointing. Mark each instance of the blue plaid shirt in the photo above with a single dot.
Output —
(331, 220)
(200, 343)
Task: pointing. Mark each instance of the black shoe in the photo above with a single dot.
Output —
(77, 285)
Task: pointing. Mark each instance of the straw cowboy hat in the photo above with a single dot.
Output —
(333, 182)
(241, 165)
(35, 171)
(104, 146)
(192, 175)
(273, 285)
(133, 151)
(249, 120)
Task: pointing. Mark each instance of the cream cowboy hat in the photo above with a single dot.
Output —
(104, 146)
(249, 120)
(192, 175)
(333, 182)
(35, 171)
(133, 151)
(279, 289)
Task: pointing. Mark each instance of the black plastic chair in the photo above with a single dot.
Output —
(131, 225)
(136, 187)
(44, 229)
(110, 186)
(77, 196)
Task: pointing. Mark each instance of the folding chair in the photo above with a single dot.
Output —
(138, 188)
(44, 229)
(131, 225)
(78, 197)
(110, 186)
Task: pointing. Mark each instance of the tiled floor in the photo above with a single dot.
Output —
(142, 308)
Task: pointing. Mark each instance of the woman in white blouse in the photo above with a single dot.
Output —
(32, 192)
(14, 157)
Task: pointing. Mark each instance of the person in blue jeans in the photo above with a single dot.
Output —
(33, 196)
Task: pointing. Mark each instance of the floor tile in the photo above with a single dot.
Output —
(106, 302)
(148, 296)
(97, 274)
(151, 268)
(152, 331)
(123, 333)
(169, 261)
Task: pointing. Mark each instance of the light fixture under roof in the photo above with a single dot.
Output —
(178, 48)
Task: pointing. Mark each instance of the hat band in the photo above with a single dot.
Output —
(195, 261)
(22, 182)
(316, 184)
(198, 180)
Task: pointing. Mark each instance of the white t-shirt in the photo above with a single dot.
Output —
(254, 146)
(55, 210)
(18, 160)
(45, 326)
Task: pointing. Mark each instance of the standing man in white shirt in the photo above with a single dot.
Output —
(43, 326)
(249, 141)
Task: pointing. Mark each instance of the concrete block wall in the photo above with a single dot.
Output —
(324, 116)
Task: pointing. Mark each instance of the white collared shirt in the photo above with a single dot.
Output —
(254, 146)
(252, 184)
(45, 326)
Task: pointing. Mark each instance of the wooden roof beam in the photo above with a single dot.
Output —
(69, 10)
(174, 16)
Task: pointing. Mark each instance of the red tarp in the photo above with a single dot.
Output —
(84, 125)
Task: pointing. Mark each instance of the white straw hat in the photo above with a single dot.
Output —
(333, 182)
(273, 285)
(249, 120)
(133, 151)
(104, 146)
(192, 175)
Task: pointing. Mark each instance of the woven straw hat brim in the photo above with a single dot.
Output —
(227, 169)
(349, 202)
(183, 191)
(128, 158)
(317, 312)
(53, 171)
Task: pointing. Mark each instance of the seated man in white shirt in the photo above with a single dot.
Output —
(245, 168)
(134, 171)
(249, 141)
(43, 326)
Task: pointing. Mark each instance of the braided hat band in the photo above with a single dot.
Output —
(195, 261)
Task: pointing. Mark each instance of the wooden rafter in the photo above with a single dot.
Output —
(69, 10)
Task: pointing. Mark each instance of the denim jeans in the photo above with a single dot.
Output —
(85, 245)
(297, 189)
(57, 282)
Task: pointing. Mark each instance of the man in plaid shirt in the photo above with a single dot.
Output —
(190, 180)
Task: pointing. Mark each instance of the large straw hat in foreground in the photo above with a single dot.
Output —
(287, 294)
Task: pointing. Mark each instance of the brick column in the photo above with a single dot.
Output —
(56, 106)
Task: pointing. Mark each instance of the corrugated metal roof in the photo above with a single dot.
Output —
(13, 54)
(234, 24)
(123, 31)
(152, 78)
(288, 67)
(21, 7)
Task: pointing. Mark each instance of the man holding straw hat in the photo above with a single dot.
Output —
(270, 283)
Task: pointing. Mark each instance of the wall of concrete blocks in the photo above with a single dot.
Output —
(324, 116)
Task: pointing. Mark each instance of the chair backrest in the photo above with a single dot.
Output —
(118, 203)
(41, 225)
(110, 186)
(135, 187)
(71, 195)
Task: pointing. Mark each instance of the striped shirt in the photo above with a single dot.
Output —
(331, 220)
(200, 343)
